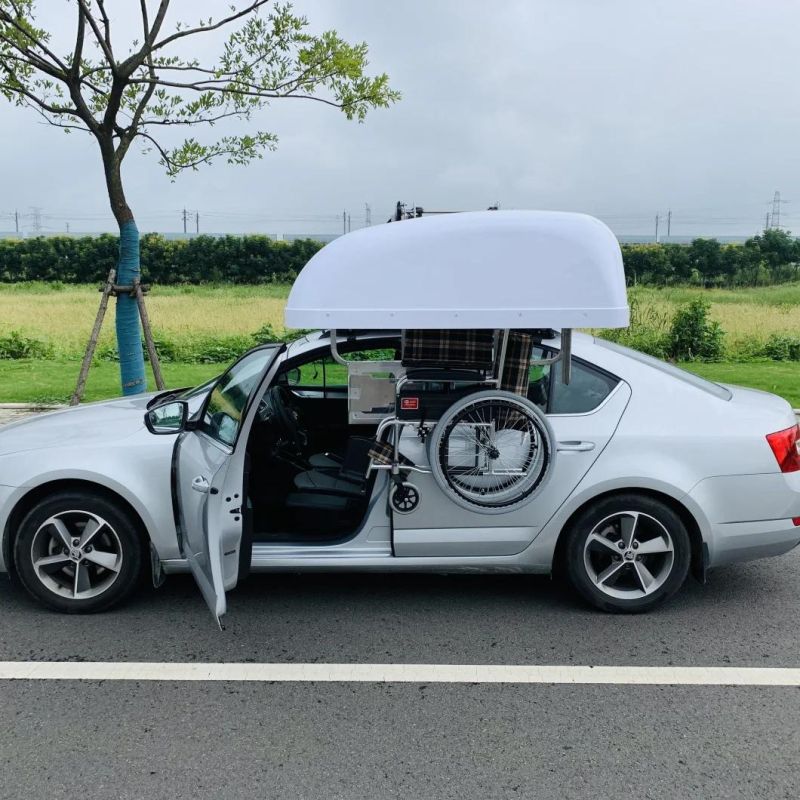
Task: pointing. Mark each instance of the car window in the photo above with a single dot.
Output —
(587, 389)
(321, 373)
(329, 374)
(228, 400)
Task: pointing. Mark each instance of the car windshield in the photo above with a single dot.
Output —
(201, 389)
(229, 398)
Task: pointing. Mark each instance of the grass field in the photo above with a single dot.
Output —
(53, 381)
(62, 316)
(747, 316)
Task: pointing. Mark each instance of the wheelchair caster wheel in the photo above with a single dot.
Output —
(404, 498)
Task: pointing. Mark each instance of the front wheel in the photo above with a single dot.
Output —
(78, 552)
(627, 553)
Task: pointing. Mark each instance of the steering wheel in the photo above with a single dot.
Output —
(290, 434)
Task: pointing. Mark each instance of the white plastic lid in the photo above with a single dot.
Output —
(484, 269)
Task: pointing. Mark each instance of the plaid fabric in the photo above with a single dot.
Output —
(382, 453)
(516, 372)
(462, 348)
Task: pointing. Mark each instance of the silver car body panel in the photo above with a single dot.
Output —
(704, 451)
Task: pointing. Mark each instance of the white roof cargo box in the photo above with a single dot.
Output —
(484, 269)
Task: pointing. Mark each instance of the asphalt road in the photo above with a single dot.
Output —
(343, 740)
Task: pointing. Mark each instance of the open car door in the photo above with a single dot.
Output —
(209, 479)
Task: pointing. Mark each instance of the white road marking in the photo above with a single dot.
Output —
(397, 673)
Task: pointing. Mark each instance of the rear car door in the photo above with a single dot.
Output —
(583, 416)
(209, 479)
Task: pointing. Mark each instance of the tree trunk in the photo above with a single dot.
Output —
(129, 338)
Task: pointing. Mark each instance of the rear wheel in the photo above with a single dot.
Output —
(78, 552)
(627, 553)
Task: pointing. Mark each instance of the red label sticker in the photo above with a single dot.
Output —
(409, 403)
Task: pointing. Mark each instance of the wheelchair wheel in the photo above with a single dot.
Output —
(491, 451)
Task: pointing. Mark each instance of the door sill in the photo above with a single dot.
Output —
(269, 553)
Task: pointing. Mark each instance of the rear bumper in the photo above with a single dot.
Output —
(745, 541)
(749, 516)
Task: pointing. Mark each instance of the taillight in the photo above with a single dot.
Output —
(786, 448)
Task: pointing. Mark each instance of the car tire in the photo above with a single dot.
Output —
(79, 552)
(627, 553)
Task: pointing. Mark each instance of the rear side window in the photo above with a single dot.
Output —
(587, 389)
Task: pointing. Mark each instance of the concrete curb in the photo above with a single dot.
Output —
(30, 406)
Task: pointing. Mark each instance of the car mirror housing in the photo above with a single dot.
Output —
(168, 418)
(293, 377)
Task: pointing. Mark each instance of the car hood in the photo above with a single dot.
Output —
(106, 421)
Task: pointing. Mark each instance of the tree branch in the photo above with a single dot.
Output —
(150, 33)
(174, 167)
(194, 120)
(78, 51)
(31, 57)
(128, 134)
(253, 6)
(41, 104)
(98, 34)
(56, 65)
(205, 86)
(63, 125)
(157, 22)
(106, 22)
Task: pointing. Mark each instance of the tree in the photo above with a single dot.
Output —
(151, 90)
(704, 256)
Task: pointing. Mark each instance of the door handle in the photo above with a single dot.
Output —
(575, 447)
(200, 484)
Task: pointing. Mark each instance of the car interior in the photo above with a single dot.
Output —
(309, 478)
(308, 466)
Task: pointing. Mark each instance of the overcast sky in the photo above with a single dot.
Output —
(621, 108)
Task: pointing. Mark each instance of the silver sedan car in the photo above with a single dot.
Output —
(656, 473)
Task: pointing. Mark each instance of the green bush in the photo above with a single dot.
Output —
(772, 257)
(15, 345)
(782, 347)
(645, 341)
(201, 259)
(213, 350)
(693, 336)
(266, 334)
(648, 329)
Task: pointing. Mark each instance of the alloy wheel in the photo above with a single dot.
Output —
(628, 555)
(77, 555)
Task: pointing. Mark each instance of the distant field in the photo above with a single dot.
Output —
(745, 314)
(63, 316)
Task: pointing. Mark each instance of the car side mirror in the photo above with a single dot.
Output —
(168, 418)
(293, 376)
